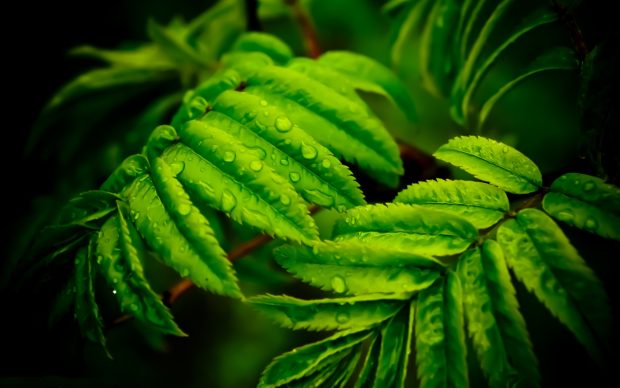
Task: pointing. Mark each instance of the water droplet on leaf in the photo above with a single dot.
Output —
(283, 124)
(295, 177)
(256, 165)
(308, 151)
(338, 284)
(229, 156)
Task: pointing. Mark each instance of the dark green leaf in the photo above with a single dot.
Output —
(495, 324)
(304, 360)
(545, 261)
(86, 309)
(440, 341)
(586, 202)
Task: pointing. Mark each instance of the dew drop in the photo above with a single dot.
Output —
(565, 216)
(326, 163)
(114, 291)
(591, 224)
(229, 156)
(285, 199)
(343, 317)
(283, 124)
(295, 177)
(505, 149)
(184, 209)
(284, 161)
(263, 103)
(308, 151)
(256, 165)
(589, 186)
(228, 201)
(338, 284)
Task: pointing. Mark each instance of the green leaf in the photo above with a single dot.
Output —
(436, 64)
(132, 167)
(494, 162)
(93, 83)
(544, 260)
(329, 76)
(143, 56)
(585, 202)
(86, 309)
(393, 357)
(265, 43)
(120, 253)
(559, 58)
(217, 168)
(304, 360)
(174, 45)
(473, 71)
(495, 324)
(290, 150)
(166, 238)
(345, 369)
(326, 314)
(408, 228)
(356, 268)
(440, 341)
(479, 203)
(353, 133)
(369, 368)
(371, 76)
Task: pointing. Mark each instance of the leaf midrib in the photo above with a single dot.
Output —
(493, 164)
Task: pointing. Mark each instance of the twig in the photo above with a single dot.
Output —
(307, 28)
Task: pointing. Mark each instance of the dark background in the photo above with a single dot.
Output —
(35, 40)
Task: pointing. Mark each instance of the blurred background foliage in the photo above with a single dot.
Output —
(229, 344)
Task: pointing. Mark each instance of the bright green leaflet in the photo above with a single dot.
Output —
(326, 314)
(479, 203)
(312, 170)
(357, 268)
(304, 360)
(163, 236)
(349, 116)
(232, 178)
(415, 229)
(86, 309)
(393, 357)
(494, 322)
(586, 202)
(544, 260)
(369, 75)
(494, 162)
(440, 341)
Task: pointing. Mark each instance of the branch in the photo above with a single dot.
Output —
(307, 28)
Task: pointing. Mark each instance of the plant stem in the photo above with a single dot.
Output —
(252, 22)
(307, 28)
